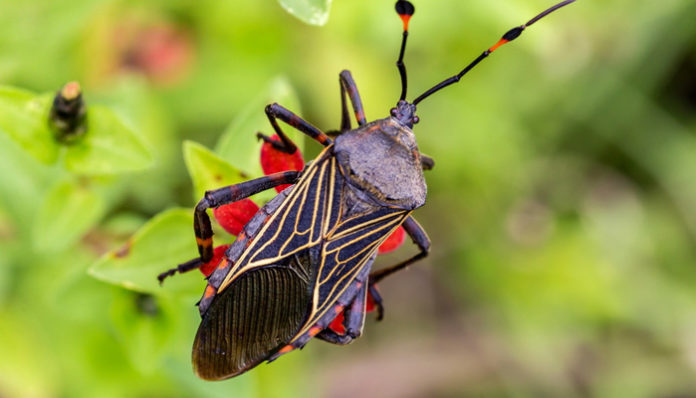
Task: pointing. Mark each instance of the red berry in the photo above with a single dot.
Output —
(218, 253)
(234, 216)
(393, 242)
(370, 305)
(337, 324)
(274, 161)
(162, 51)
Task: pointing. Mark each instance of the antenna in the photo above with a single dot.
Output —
(405, 10)
(511, 35)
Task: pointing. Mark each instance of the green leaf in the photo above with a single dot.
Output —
(5, 259)
(22, 182)
(133, 100)
(207, 170)
(108, 147)
(23, 116)
(165, 241)
(19, 344)
(67, 213)
(313, 12)
(239, 145)
(147, 328)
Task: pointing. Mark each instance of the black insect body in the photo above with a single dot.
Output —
(305, 258)
(68, 114)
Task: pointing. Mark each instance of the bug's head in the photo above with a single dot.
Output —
(405, 111)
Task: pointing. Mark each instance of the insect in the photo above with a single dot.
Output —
(304, 259)
(68, 114)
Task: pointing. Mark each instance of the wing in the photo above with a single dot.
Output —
(294, 227)
(250, 320)
(300, 261)
(347, 249)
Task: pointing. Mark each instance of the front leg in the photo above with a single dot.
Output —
(232, 193)
(190, 265)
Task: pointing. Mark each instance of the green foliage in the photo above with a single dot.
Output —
(207, 170)
(67, 213)
(314, 12)
(242, 148)
(23, 117)
(159, 245)
(109, 147)
(561, 208)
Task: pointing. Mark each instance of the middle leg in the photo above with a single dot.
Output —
(349, 87)
(420, 238)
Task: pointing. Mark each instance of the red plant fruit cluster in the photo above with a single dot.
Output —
(275, 161)
(393, 242)
(234, 216)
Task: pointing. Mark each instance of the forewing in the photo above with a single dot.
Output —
(345, 256)
(300, 262)
(251, 319)
(294, 227)
(353, 229)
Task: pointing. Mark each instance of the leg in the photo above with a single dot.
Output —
(352, 320)
(349, 87)
(376, 298)
(427, 162)
(274, 112)
(330, 336)
(232, 193)
(181, 268)
(420, 238)
(355, 314)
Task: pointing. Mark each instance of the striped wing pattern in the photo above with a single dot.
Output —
(240, 330)
(313, 243)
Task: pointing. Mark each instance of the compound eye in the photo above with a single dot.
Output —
(392, 111)
(416, 119)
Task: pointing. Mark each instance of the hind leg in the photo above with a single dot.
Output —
(349, 322)
(420, 238)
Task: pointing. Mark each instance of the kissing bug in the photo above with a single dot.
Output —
(303, 261)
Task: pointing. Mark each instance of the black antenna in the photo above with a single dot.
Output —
(511, 35)
(405, 10)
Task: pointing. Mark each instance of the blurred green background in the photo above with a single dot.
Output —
(562, 208)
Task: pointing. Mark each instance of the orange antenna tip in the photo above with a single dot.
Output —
(405, 10)
(405, 18)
